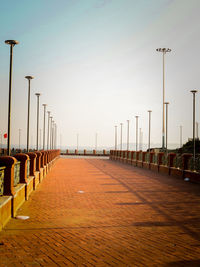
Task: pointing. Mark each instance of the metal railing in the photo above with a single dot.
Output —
(16, 173)
(178, 162)
(28, 168)
(194, 165)
(2, 180)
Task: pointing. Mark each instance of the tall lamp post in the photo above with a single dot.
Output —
(38, 102)
(194, 92)
(44, 105)
(115, 137)
(121, 136)
(164, 51)
(52, 135)
(48, 130)
(29, 78)
(96, 135)
(149, 139)
(181, 138)
(19, 137)
(55, 136)
(136, 132)
(128, 121)
(12, 43)
(50, 139)
(77, 136)
(166, 103)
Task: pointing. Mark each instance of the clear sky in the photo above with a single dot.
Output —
(95, 64)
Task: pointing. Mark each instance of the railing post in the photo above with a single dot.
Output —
(42, 159)
(185, 160)
(160, 158)
(32, 157)
(9, 163)
(171, 157)
(23, 158)
(38, 160)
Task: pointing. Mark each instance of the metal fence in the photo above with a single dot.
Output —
(16, 173)
(28, 168)
(1, 180)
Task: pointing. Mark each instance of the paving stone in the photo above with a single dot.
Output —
(125, 216)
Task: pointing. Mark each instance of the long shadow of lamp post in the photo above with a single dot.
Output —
(38, 103)
(12, 43)
(29, 78)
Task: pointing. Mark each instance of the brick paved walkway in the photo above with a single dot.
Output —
(92, 212)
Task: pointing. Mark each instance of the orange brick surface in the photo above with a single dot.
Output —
(95, 212)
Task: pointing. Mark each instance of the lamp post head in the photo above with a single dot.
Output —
(164, 50)
(37, 94)
(136, 117)
(29, 77)
(166, 103)
(194, 91)
(149, 110)
(44, 105)
(121, 123)
(11, 42)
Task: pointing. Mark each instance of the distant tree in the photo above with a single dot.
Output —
(188, 147)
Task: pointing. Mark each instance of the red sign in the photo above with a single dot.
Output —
(5, 135)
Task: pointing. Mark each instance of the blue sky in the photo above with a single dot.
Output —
(95, 64)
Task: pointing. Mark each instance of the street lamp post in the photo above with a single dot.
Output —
(77, 136)
(181, 138)
(29, 78)
(128, 135)
(149, 141)
(52, 136)
(115, 137)
(197, 130)
(19, 137)
(96, 135)
(38, 102)
(140, 138)
(194, 92)
(166, 103)
(121, 136)
(55, 136)
(164, 51)
(12, 43)
(48, 130)
(50, 139)
(44, 105)
(136, 132)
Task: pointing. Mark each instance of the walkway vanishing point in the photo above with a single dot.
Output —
(96, 212)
